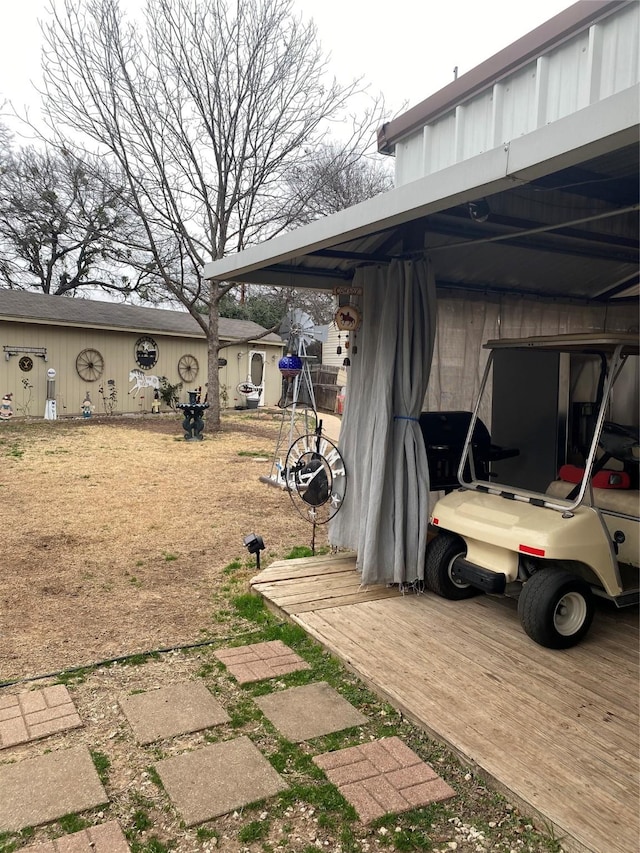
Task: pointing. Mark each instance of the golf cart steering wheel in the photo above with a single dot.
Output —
(620, 442)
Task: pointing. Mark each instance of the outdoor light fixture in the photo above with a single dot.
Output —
(254, 544)
(479, 210)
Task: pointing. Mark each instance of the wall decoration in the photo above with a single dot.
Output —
(146, 352)
(188, 367)
(142, 380)
(25, 364)
(89, 365)
(347, 318)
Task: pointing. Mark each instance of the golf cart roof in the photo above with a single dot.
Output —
(584, 342)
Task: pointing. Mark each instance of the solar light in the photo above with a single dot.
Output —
(254, 544)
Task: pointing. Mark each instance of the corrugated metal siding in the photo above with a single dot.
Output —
(117, 349)
(591, 66)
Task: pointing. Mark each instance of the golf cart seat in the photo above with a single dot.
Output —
(626, 501)
(444, 434)
(613, 490)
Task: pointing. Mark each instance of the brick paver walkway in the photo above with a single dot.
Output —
(35, 714)
(260, 660)
(377, 778)
(383, 777)
(104, 838)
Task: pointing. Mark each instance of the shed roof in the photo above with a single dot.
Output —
(570, 21)
(23, 306)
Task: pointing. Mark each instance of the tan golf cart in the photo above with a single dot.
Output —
(556, 520)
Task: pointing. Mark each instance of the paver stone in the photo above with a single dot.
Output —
(39, 790)
(173, 710)
(217, 779)
(301, 713)
(383, 777)
(102, 838)
(259, 661)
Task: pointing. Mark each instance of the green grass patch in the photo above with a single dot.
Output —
(252, 453)
(102, 764)
(298, 552)
(232, 567)
(74, 676)
(140, 821)
(155, 777)
(169, 557)
(256, 830)
(11, 841)
(250, 607)
(72, 823)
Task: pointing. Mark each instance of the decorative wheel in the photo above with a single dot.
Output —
(315, 477)
(188, 367)
(89, 365)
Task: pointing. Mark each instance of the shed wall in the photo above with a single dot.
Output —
(63, 344)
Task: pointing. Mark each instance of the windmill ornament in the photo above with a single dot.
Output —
(347, 319)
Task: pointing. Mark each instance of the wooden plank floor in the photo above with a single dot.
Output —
(557, 731)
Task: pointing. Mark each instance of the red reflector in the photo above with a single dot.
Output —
(527, 549)
(435, 521)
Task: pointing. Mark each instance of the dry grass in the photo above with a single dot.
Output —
(116, 532)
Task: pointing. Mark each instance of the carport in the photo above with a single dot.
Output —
(516, 213)
(545, 225)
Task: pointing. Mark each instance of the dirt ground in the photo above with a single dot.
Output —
(116, 531)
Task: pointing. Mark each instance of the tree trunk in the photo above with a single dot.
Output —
(213, 349)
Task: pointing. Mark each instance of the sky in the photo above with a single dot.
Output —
(406, 50)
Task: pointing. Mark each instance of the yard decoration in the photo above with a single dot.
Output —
(297, 401)
(193, 423)
(315, 477)
(347, 319)
(6, 409)
(87, 406)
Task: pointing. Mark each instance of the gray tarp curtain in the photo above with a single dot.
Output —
(385, 512)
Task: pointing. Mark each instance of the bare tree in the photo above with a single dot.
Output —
(324, 182)
(59, 217)
(335, 178)
(206, 107)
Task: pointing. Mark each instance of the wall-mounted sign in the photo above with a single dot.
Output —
(146, 352)
(222, 362)
(25, 364)
(248, 388)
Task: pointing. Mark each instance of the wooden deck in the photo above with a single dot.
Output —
(557, 731)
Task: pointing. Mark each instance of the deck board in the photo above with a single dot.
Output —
(557, 731)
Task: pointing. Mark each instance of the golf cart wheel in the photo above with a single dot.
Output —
(555, 608)
(441, 555)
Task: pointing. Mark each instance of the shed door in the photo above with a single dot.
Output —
(257, 359)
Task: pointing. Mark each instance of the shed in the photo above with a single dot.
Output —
(100, 348)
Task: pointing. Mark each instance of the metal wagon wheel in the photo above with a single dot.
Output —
(90, 365)
(188, 367)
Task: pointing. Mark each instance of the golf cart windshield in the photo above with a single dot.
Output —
(569, 405)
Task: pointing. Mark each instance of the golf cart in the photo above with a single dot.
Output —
(557, 522)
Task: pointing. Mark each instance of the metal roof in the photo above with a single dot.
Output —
(561, 218)
(27, 307)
